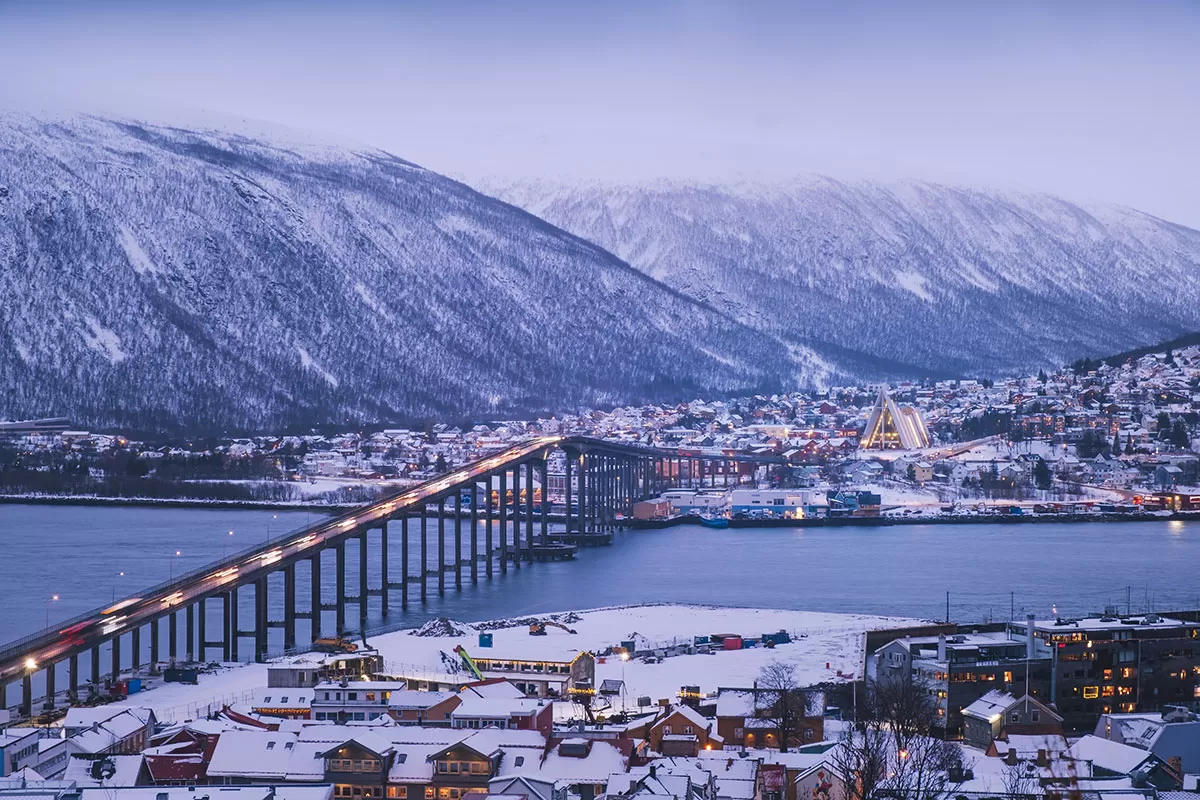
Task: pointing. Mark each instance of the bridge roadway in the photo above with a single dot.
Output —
(648, 472)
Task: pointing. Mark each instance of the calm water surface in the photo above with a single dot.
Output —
(78, 553)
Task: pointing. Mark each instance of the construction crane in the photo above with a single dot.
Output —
(469, 662)
(539, 628)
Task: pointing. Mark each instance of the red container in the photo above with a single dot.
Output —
(732, 643)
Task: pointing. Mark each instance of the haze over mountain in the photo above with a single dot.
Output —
(165, 278)
(948, 279)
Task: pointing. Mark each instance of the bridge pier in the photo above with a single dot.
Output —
(27, 693)
(545, 478)
(260, 620)
(231, 620)
(51, 691)
(488, 532)
(189, 647)
(570, 457)
(72, 679)
(339, 551)
(441, 544)
(516, 516)
(116, 657)
(384, 584)
(289, 607)
(504, 522)
(364, 593)
(96, 668)
(314, 571)
(173, 636)
(135, 648)
(474, 532)
(458, 540)
(424, 554)
(529, 510)
(202, 631)
(404, 563)
(154, 650)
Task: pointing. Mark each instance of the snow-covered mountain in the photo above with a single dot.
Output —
(945, 278)
(157, 277)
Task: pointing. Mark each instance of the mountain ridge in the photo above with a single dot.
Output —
(879, 267)
(161, 277)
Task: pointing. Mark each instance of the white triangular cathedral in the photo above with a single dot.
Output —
(891, 427)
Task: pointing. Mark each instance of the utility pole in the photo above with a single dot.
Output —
(947, 606)
(1012, 606)
(1128, 594)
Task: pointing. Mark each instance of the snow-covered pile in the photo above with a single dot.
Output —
(441, 626)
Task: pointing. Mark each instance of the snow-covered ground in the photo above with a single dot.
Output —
(826, 647)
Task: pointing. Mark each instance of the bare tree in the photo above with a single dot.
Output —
(907, 706)
(926, 768)
(895, 751)
(780, 699)
(861, 760)
(1020, 781)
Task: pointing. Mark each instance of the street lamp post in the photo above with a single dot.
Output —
(225, 546)
(114, 595)
(49, 600)
(171, 562)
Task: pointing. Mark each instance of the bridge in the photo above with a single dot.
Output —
(603, 480)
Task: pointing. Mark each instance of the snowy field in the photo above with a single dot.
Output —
(826, 647)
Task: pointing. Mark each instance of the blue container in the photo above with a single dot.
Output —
(135, 685)
(485, 640)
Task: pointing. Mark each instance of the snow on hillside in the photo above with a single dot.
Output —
(944, 278)
(157, 277)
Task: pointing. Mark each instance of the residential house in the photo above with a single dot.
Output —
(996, 711)
(744, 718)
(682, 731)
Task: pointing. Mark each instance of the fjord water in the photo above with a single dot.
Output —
(990, 570)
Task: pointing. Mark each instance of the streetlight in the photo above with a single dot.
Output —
(273, 516)
(119, 575)
(225, 547)
(49, 600)
(171, 562)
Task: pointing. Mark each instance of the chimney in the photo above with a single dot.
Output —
(941, 647)
(1011, 757)
(1043, 759)
(1029, 645)
(653, 770)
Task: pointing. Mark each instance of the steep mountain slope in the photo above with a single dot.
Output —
(166, 278)
(944, 278)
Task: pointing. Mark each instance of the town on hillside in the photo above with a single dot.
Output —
(1093, 437)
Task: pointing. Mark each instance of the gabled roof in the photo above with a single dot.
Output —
(999, 703)
(1114, 757)
(367, 741)
(690, 714)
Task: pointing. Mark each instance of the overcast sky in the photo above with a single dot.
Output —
(1095, 101)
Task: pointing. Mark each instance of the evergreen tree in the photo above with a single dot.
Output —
(1162, 424)
(1041, 376)
(1041, 475)
(1179, 435)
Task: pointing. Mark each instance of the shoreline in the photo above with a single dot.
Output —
(168, 502)
(942, 519)
(652, 524)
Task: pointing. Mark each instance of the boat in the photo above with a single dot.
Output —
(714, 522)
